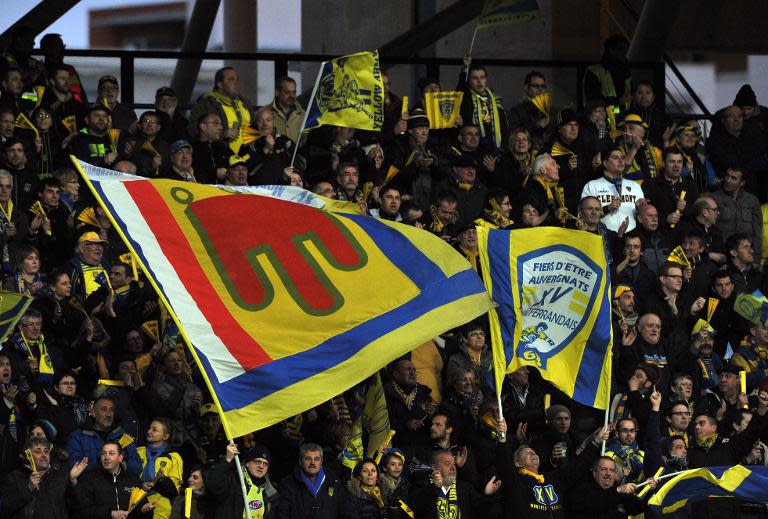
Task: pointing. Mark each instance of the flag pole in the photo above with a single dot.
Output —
(240, 476)
(665, 476)
(471, 46)
(306, 112)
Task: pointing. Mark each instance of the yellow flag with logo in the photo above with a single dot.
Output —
(443, 108)
(551, 287)
(348, 92)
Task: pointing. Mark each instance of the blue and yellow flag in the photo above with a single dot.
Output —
(348, 92)
(747, 483)
(12, 307)
(551, 286)
(285, 305)
(502, 12)
(443, 108)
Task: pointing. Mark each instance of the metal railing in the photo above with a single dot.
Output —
(127, 59)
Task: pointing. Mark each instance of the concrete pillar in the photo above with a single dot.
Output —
(240, 36)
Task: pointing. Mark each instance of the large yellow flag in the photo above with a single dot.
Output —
(552, 289)
(285, 314)
(348, 92)
(443, 108)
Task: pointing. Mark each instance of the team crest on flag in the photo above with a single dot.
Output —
(348, 92)
(558, 287)
(443, 108)
(286, 305)
(553, 312)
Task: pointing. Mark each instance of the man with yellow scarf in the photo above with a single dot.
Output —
(30, 356)
(448, 498)
(481, 107)
(226, 101)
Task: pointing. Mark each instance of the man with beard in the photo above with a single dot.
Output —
(88, 269)
(60, 101)
(53, 47)
(623, 315)
(700, 360)
(92, 144)
(390, 205)
(173, 124)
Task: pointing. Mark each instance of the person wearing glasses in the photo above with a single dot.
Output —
(678, 420)
(525, 114)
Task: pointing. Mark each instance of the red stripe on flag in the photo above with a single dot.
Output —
(248, 353)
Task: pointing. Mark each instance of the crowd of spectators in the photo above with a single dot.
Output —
(96, 400)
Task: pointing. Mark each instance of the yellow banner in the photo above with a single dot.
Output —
(443, 108)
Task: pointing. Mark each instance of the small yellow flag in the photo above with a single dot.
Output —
(712, 303)
(443, 108)
(137, 494)
(678, 256)
(152, 329)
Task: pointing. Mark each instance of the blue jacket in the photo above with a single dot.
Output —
(87, 442)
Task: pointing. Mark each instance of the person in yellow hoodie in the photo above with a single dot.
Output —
(162, 469)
